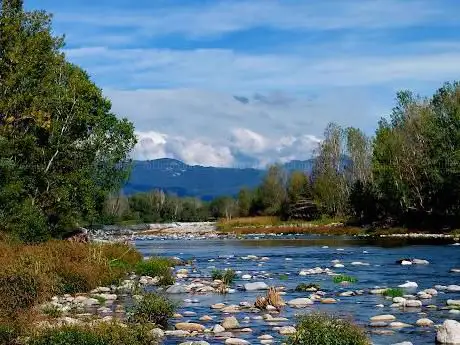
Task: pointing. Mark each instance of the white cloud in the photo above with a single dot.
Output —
(220, 17)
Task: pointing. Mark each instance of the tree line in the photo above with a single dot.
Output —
(407, 174)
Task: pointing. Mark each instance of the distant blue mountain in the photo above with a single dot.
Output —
(174, 176)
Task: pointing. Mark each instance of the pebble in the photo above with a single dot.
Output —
(384, 317)
(189, 326)
(218, 329)
(236, 341)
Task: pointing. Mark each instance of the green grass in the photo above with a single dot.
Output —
(344, 278)
(157, 267)
(283, 277)
(152, 308)
(394, 292)
(227, 276)
(100, 299)
(52, 311)
(323, 329)
(101, 334)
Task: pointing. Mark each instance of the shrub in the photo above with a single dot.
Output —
(394, 292)
(52, 311)
(227, 276)
(102, 334)
(152, 308)
(18, 292)
(344, 278)
(156, 267)
(322, 329)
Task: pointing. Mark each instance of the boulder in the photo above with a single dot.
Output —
(413, 303)
(230, 323)
(300, 302)
(449, 333)
(424, 322)
(255, 286)
(190, 327)
(420, 262)
(176, 289)
(408, 285)
(218, 329)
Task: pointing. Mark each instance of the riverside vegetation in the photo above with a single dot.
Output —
(64, 155)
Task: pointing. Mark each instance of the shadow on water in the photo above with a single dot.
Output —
(341, 241)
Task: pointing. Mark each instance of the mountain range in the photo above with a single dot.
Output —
(174, 176)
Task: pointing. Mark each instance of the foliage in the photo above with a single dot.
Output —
(226, 276)
(152, 308)
(100, 334)
(342, 278)
(61, 148)
(322, 329)
(156, 267)
(393, 292)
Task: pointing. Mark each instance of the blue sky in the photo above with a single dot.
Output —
(236, 83)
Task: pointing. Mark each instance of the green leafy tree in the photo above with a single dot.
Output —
(61, 148)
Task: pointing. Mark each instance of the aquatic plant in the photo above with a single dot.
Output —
(226, 276)
(302, 287)
(323, 329)
(393, 292)
(152, 308)
(342, 278)
(157, 267)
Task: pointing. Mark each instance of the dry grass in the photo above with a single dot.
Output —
(32, 274)
(229, 224)
(272, 298)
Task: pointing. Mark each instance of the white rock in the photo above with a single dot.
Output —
(218, 329)
(385, 317)
(449, 332)
(408, 284)
(424, 322)
(300, 302)
(420, 262)
(406, 262)
(455, 302)
(255, 286)
(453, 288)
(246, 276)
(236, 341)
(413, 303)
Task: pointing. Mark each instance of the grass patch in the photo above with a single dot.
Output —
(157, 267)
(102, 334)
(393, 292)
(323, 329)
(344, 278)
(230, 224)
(152, 308)
(227, 276)
(52, 311)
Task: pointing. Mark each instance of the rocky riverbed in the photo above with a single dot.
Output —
(429, 276)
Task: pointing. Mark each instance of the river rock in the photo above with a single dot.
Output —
(404, 343)
(255, 286)
(453, 302)
(189, 326)
(157, 333)
(397, 324)
(377, 291)
(287, 330)
(218, 306)
(236, 341)
(385, 317)
(408, 285)
(328, 301)
(265, 337)
(206, 318)
(300, 302)
(424, 322)
(413, 303)
(218, 329)
(230, 323)
(200, 342)
(453, 288)
(420, 262)
(176, 289)
(398, 299)
(177, 333)
(449, 332)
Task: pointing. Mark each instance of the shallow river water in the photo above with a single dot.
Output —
(289, 254)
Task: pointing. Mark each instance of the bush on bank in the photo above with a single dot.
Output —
(323, 329)
(157, 267)
(153, 309)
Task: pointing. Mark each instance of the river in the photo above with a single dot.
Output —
(288, 255)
